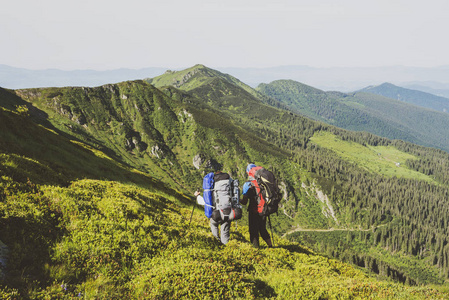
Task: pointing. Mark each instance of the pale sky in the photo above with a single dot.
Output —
(112, 34)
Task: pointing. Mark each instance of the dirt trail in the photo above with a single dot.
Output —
(324, 230)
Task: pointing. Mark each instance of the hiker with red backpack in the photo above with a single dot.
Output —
(221, 203)
(262, 193)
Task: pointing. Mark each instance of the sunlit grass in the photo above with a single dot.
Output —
(384, 160)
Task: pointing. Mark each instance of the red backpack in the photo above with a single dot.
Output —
(268, 195)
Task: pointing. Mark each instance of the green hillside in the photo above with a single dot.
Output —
(300, 98)
(132, 237)
(112, 166)
(384, 160)
(346, 181)
(411, 96)
(363, 111)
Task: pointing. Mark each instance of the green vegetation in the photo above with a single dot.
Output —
(221, 84)
(195, 77)
(301, 98)
(383, 160)
(103, 173)
(104, 239)
(364, 111)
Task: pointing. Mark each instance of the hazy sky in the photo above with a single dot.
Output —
(111, 34)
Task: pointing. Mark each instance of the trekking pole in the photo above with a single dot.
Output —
(191, 215)
(272, 236)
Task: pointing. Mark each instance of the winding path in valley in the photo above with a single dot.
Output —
(296, 229)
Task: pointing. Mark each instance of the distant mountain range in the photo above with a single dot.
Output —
(431, 88)
(346, 79)
(17, 78)
(327, 79)
(375, 109)
(410, 96)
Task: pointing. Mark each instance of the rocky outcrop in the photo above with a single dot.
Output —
(133, 140)
(185, 78)
(283, 188)
(185, 115)
(157, 152)
(199, 161)
(326, 209)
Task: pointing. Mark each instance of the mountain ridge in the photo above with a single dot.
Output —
(328, 79)
(415, 97)
(199, 76)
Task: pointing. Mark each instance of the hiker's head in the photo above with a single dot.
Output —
(249, 167)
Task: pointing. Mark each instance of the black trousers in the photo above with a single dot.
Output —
(257, 226)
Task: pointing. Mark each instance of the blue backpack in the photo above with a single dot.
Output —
(221, 197)
(208, 188)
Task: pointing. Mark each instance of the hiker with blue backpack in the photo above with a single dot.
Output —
(262, 193)
(221, 203)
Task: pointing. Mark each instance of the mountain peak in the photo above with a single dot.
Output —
(291, 86)
(199, 66)
(379, 86)
(186, 79)
(387, 84)
(197, 76)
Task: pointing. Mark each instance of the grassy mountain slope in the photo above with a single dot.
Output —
(176, 135)
(411, 96)
(364, 112)
(173, 136)
(175, 139)
(291, 132)
(385, 160)
(301, 98)
(132, 237)
(131, 121)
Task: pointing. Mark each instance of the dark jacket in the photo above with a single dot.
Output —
(251, 197)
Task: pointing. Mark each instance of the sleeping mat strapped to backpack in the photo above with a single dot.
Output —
(208, 187)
